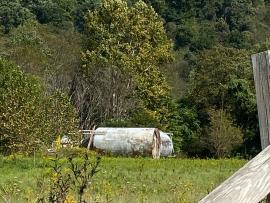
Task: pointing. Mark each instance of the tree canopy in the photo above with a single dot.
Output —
(131, 44)
(151, 63)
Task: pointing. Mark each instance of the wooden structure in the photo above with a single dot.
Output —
(251, 184)
(261, 71)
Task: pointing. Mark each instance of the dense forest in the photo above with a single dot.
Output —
(180, 65)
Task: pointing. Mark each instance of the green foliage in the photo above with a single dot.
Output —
(224, 136)
(81, 10)
(60, 13)
(28, 116)
(72, 175)
(56, 12)
(133, 31)
(127, 179)
(59, 117)
(196, 35)
(214, 70)
(44, 51)
(13, 14)
(130, 42)
(226, 82)
(262, 46)
(185, 124)
(228, 22)
(121, 81)
(19, 101)
(243, 109)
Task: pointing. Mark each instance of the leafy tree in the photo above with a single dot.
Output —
(19, 98)
(50, 53)
(56, 12)
(223, 79)
(224, 136)
(237, 16)
(129, 43)
(214, 70)
(242, 106)
(185, 126)
(29, 117)
(196, 35)
(80, 11)
(59, 118)
(13, 14)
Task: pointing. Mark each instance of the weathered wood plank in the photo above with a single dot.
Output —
(261, 71)
(250, 184)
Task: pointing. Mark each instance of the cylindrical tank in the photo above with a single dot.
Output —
(166, 148)
(132, 141)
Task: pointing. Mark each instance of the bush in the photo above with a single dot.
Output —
(28, 116)
(224, 136)
(72, 174)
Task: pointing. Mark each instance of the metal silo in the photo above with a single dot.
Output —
(130, 141)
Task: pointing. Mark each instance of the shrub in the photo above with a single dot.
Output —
(224, 136)
(72, 174)
(28, 116)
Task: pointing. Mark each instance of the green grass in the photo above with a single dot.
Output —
(130, 180)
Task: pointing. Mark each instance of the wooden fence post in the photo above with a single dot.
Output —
(261, 71)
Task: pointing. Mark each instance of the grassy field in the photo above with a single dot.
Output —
(128, 180)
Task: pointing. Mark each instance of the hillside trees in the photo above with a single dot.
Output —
(13, 14)
(222, 79)
(56, 12)
(45, 51)
(229, 22)
(120, 75)
(125, 47)
(59, 13)
(214, 70)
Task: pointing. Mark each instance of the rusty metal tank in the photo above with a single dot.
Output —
(131, 141)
